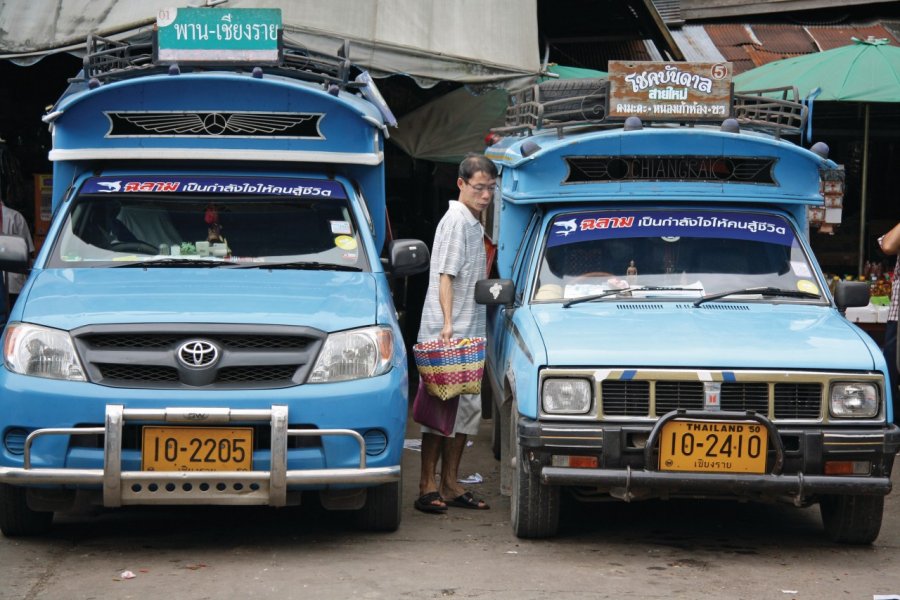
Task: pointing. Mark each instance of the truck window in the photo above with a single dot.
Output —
(103, 229)
(701, 252)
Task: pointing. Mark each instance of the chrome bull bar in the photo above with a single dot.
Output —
(195, 487)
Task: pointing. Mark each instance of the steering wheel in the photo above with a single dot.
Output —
(134, 246)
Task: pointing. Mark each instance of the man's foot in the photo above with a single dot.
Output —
(468, 500)
(430, 502)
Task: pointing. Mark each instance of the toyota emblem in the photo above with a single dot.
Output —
(198, 354)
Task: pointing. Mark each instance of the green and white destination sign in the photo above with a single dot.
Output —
(218, 35)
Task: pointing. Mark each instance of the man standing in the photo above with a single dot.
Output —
(13, 223)
(457, 262)
(890, 245)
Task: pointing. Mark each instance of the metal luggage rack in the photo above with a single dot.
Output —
(107, 59)
(777, 110)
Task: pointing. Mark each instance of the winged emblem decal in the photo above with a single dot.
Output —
(214, 124)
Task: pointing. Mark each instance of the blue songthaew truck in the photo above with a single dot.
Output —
(210, 319)
(660, 327)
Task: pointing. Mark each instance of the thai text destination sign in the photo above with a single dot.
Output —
(218, 35)
(670, 91)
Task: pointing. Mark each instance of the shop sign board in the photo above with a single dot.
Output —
(670, 91)
(218, 36)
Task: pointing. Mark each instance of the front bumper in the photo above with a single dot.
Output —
(796, 460)
(196, 487)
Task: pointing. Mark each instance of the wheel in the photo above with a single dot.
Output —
(16, 519)
(852, 519)
(381, 512)
(586, 99)
(534, 508)
(134, 246)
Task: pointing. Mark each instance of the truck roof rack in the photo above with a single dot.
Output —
(110, 60)
(562, 104)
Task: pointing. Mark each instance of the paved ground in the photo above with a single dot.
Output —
(611, 550)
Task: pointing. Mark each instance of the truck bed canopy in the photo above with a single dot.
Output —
(466, 41)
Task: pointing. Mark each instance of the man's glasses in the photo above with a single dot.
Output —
(481, 188)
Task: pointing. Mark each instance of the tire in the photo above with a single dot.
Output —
(852, 519)
(588, 99)
(16, 519)
(381, 512)
(534, 507)
(495, 434)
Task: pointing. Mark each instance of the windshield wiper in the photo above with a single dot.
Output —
(649, 288)
(763, 291)
(176, 262)
(299, 265)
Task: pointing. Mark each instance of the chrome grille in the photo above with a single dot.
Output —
(248, 356)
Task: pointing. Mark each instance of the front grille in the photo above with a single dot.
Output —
(656, 397)
(245, 357)
(674, 395)
(626, 398)
(798, 401)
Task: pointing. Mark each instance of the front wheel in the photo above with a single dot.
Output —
(16, 518)
(381, 512)
(852, 519)
(534, 507)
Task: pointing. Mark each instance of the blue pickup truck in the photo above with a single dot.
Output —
(210, 319)
(659, 327)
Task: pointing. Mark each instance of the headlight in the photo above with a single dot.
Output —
(858, 400)
(354, 354)
(566, 396)
(41, 352)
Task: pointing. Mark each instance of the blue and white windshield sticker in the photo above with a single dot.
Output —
(268, 186)
(572, 228)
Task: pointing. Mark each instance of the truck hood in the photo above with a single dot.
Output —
(713, 336)
(329, 301)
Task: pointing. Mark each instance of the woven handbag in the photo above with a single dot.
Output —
(451, 368)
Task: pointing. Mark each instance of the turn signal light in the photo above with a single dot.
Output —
(848, 467)
(577, 462)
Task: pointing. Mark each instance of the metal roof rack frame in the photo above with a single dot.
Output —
(565, 104)
(110, 60)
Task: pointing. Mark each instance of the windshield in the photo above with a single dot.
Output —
(180, 221)
(677, 255)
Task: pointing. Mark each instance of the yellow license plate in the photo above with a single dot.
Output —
(197, 449)
(713, 447)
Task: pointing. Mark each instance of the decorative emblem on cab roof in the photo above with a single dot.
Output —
(214, 124)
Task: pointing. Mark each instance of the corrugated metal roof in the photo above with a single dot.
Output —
(748, 46)
(696, 44)
(729, 35)
(785, 39)
(828, 37)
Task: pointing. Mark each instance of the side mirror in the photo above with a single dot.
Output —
(495, 291)
(13, 254)
(408, 257)
(851, 293)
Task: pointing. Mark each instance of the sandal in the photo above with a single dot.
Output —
(426, 503)
(467, 500)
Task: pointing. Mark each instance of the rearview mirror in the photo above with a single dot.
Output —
(851, 293)
(495, 291)
(408, 257)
